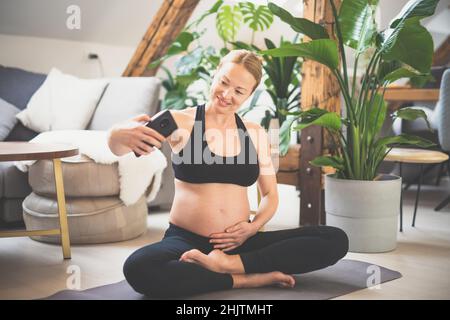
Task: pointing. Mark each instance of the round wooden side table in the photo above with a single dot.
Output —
(18, 151)
(416, 156)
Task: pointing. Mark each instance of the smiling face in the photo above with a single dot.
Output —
(232, 85)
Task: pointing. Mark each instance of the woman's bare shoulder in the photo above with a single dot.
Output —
(251, 124)
(185, 121)
(257, 133)
(183, 117)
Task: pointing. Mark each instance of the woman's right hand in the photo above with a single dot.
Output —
(123, 140)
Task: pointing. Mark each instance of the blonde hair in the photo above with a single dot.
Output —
(248, 59)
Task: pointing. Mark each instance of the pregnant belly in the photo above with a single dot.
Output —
(209, 208)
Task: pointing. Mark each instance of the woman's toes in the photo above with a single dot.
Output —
(292, 281)
(284, 280)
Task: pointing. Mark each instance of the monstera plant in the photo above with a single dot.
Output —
(403, 50)
(199, 62)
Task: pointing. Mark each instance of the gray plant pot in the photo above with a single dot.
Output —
(366, 210)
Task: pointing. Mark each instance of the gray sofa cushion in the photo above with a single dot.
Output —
(21, 133)
(11, 210)
(14, 182)
(125, 98)
(7, 118)
(17, 85)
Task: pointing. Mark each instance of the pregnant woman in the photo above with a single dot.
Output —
(211, 243)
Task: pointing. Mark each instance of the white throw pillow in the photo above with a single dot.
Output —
(63, 102)
(125, 98)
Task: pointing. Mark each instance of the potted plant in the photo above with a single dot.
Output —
(282, 83)
(357, 199)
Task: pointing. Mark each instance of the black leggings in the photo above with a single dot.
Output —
(155, 270)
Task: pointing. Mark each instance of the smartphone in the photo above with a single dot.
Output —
(164, 123)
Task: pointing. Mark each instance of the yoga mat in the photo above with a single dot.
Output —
(344, 277)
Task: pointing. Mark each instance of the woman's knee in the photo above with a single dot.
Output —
(141, 272)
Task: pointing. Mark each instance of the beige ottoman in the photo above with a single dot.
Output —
(94, 210)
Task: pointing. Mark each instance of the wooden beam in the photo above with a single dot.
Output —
(168, 22)
(407, 94)
(319, 88)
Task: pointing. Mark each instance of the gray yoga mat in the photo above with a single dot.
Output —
(342, 278)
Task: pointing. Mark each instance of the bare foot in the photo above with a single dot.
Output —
(216, 261)
(256, 280)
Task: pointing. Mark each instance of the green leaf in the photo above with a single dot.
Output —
(386, 67)
(304, 26)
(174, 100)
(357, 21)
(285, 134)
(404, 140)
(328, 161)
(412, 114)
(190, 62)
(224, 51)
(243, 45)
(169, 83)
(228, 22)
(413, 46)
(377, 115)
(402, 73)
(324, 51)
(258, 18)
(291, 113)
(265, 121)
(320, 117)
(420, 81)
(211, 11)
(413, 11)
(418, 9)
(180, 45)
(252, 104)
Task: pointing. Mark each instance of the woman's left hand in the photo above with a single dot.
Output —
(233, 236)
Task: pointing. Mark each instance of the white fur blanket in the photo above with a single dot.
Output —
(135, 173)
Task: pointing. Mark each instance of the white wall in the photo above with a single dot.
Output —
(41, 54)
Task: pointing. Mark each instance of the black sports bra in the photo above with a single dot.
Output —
(196, 163)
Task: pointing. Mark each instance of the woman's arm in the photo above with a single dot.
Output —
(132, 136)
(267, 181)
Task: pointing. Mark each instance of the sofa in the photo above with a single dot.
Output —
(17, 86)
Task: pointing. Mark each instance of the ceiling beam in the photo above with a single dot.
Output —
(168, 22)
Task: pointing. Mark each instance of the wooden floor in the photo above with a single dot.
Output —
(30, 269)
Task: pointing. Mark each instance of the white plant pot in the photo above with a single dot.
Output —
(366, 210)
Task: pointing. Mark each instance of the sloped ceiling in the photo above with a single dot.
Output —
(115, 22)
